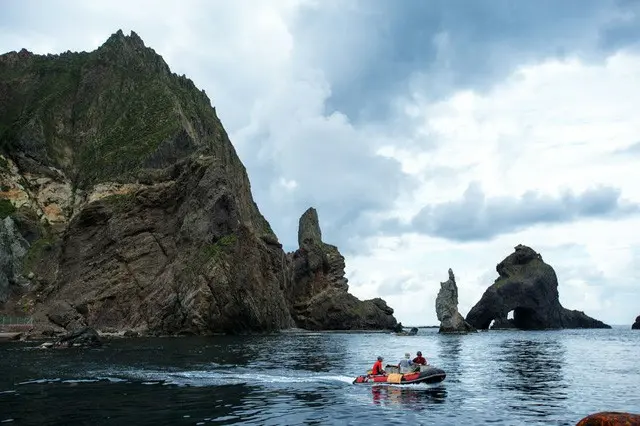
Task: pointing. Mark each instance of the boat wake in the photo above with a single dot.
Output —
(200, 378)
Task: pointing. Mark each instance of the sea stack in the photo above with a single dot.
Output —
(447, 308)
(527, 286)
(318, 287)
(636, 325)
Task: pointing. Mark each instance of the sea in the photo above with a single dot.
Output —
(291, 378)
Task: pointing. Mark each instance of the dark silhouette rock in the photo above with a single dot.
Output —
(610, 418)
(85, 337)
(412, 332)
(447, 308)
(318, 289)
(636, 325)
(529, 287)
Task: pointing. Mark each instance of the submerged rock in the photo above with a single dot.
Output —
(412, 332)
(85, 337)
(636, 325)
(447, 308)
(529, 287)
(318, 288)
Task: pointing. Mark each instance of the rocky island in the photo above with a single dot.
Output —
(529, 287)
(124, 206)
(636, 325)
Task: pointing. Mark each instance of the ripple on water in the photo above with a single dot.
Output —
(492, 378)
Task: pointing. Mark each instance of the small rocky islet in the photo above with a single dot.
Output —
(124, 207)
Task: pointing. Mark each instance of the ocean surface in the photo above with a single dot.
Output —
(495, 377)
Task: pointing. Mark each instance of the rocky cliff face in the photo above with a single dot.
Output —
(318, 288)
(528, 287)
(124, 204)
(447, 308)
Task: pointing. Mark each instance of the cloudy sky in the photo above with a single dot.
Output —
(428, 134)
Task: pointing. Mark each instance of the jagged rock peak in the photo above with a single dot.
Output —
(451, 276)
(309, 233)
(447, 308)
(133, 39)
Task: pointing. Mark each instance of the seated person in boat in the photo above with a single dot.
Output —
(406, 365)
(420, 360)
(377, 368)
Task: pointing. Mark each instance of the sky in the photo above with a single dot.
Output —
(428, 134)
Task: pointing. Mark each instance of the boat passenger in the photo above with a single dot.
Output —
(377, 368)
(420, 359)
(405, 365)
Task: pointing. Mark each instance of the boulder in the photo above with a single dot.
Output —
(529, 287)
(610, 418)
(65, 315)
(85, 337)
(447, 308)
(636, 325)
(318, 289)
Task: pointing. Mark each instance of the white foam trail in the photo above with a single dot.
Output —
(224, 377)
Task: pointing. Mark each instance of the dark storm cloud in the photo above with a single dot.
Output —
(445, 45)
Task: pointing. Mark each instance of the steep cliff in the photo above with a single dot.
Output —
(124, 204)
(318, 288)
(529, 287)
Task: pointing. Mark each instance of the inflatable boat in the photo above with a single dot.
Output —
(427, 374)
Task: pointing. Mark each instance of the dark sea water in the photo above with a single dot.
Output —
(496, 377)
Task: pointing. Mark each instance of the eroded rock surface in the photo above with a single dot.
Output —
(318, 289)
(529, 287)
(447, 308)
(13, 248)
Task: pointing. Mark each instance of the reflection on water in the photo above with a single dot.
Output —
(416, 399)
(451, 350)
(533, 369)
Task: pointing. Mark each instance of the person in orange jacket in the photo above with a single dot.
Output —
(377, 368)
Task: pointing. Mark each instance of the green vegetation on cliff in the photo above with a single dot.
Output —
(6, 208)
(104, 114)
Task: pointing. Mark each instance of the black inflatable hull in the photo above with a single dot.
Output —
(429, 375)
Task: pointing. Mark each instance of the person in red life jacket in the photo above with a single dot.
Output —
(377, 368)
(420, 359)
